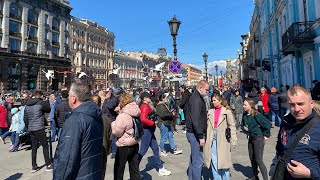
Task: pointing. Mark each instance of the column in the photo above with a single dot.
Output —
(5, 25)
(24, 29)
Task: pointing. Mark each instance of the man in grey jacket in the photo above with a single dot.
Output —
(34, 118)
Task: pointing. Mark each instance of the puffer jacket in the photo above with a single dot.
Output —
(79, 151)
(3, 117)
(61, 110)
(34, 112)
(17, 124)
(145, 111)
(273, 102)
(265, 99)
(122, 127)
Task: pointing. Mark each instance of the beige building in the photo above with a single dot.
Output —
(92, 51)
(34, 39)
(193, 74)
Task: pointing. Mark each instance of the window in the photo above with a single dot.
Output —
(46, 17)
(15, 44)
(14, 27)
(55, 37)
(15, 11)
(55, 51)
(74, 46)
(32, 47)
(32, 31)
(32, 17)
(55, 24)
(46, 34)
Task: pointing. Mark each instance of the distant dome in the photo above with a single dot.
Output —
(228, 60)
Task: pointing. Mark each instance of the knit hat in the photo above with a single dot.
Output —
(117, 91)
(273, 90)
(14, 110)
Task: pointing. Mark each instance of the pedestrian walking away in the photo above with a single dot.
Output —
(236, 104)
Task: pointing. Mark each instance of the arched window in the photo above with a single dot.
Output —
(15, 11)
(55, 24)
(32, 17)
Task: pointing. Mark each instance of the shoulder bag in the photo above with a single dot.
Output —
(279, 173)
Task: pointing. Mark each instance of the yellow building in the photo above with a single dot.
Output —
(193, 74)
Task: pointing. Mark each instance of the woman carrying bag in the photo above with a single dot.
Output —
(257, 127)
(221, 138)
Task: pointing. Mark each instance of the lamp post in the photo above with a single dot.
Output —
(174, 25)
(216, 66)
(205, 59)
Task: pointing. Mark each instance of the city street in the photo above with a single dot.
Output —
(18, 165)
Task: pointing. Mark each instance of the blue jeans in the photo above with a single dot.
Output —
(113, 144)
(149, 140)
(196, 158)
(166, 134)
(274, 115)
(53, 130)
(12, 136)
(218, 174)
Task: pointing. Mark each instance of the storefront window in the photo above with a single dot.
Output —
(14, 69)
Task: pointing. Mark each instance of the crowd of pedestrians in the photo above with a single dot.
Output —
(89, 127)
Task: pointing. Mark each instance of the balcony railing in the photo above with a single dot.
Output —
(16, 34)
(15, 16)
(32, 38)
(297, 34)
(34, 22)
(55, 28)
(56, 43)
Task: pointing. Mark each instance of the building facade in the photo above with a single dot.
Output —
(194, 74)
(287, 35)
(34, 39)
(92, 50)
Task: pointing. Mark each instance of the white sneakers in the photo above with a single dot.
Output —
(164, 172)
(163, 153)
(177, 151)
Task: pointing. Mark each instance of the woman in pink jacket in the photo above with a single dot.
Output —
(128, 147)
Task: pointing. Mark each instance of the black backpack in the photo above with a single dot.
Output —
(137, 127)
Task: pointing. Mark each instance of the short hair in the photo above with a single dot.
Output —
(81, 91)
(96, 99)
(64, 94)
(38, 93)
(183, 87)
(293, 91)
(125, 99)
(202, 83)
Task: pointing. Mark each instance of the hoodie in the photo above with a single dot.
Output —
(122, 127)
(79, 151)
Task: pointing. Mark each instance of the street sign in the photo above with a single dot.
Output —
(175, 66)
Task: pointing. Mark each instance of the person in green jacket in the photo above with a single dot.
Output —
(257, 126)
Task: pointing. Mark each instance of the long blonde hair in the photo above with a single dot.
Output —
(251, 103)
(316, 107)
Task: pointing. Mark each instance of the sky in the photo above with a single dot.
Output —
(211, 26)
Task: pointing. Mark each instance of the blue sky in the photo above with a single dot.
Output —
(211, 26)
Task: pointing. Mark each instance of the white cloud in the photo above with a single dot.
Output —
(211, 66)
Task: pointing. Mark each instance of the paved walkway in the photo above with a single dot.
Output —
(17, 165)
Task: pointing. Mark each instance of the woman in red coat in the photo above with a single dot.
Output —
(265, 99)
(3, 118)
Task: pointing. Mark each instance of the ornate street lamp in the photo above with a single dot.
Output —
(216, 66)
(205, 59)
(174, 25)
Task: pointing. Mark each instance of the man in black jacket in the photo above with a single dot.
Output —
(79, 151)
(316, 90)
(196, 124)
(34, 118)
(61, 110)
(185, 98)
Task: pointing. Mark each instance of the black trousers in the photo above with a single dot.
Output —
(36, 138)
(255, 147)
(127, 154)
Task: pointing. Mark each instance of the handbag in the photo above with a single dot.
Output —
(279, 173)
(228, 132)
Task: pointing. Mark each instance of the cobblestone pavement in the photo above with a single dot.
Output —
(18, 165)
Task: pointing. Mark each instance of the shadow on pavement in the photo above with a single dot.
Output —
(14, 176)
(149, 166)
(246, 170)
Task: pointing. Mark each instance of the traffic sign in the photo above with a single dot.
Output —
(175, 66)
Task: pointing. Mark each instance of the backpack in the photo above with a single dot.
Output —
(137, 128)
